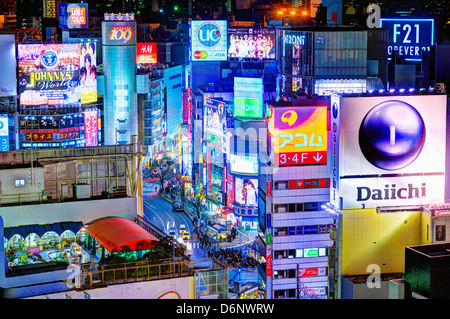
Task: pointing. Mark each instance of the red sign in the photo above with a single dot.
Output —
(269, 262)
(301, 158)
(269, 189)
(146, 53)
(308, 272)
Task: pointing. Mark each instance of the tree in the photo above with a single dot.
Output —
(163, 171)
(197, 202)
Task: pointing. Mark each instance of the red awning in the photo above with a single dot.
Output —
(227, 211)
(114, 233)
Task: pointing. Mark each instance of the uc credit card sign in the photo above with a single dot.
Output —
(409, 38)
(299, 135)
(209, 40)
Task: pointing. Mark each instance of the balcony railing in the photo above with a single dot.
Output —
(136, 272)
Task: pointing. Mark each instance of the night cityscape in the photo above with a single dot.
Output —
(273, 151)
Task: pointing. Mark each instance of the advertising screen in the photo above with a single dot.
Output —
(240, 164)
(90, 128)
(8, 80)
(146, 53)
(246, 191)
(4, 133)
(57, 74)
(391, 150)
(215, 116)
(248, 97)
(73, 15)
(256, 43)
(299, 135)
(208, 40)
(409, 38)
(52, 130)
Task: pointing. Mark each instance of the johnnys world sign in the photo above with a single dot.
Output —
(387, 150)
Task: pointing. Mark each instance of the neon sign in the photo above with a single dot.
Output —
(299, 135)
(409, 38)
(123, 34)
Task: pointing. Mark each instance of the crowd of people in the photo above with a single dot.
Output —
(230, 257)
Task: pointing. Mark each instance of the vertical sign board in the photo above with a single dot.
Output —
(208, 40)
(409, 37)
(334, 159)
(248, 97)
(299, 135)
(90, 128)
(391, 150)
(4, 133)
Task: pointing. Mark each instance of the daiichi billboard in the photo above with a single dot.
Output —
(390, 150)
(208, 40)
(299, 135)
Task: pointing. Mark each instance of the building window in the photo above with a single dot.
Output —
(19, 182)
(440, 232)
(280, 185)
(282, 231)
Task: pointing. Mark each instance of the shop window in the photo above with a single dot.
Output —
(291, 273)
(278, 294)
(280, 208)
(280, 185)
(291, 293)
(19, 182)
(291, 253)
(308, 207)
(292, 208)
(440, 232)
(299, 207)
(282, 231)
(280, 254)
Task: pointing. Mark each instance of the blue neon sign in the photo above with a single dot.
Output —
(409, 38)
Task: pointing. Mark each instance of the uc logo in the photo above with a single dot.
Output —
(121, 34)
(209, 35)
(392, 135)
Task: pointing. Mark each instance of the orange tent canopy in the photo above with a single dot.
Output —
(114, 233)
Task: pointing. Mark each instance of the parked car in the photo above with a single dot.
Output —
(177, 207)
(186, 235)
(182, 229)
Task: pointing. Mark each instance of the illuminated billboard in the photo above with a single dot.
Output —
(59, 130)
(208, 40)
(246, 191)
(299, 135)
(146, 53)
(389, 150)
(73, 15)
(4, 133)
(253, 43)
(57, 74)
(241, 164)
(248, 97)
(91, 128)
(409, 38)
(215, 116)
(8, 80)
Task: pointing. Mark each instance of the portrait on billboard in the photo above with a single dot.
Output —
(246, 191)
(57, 74)
(253, 43)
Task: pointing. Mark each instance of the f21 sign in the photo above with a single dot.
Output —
(409, 38)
